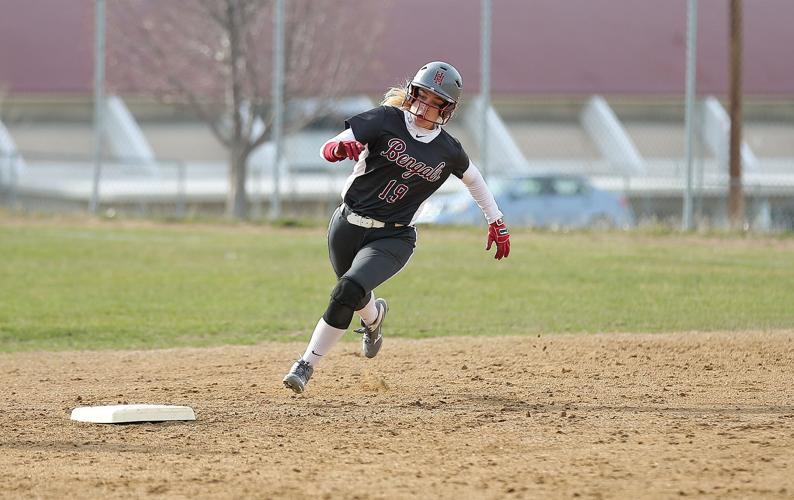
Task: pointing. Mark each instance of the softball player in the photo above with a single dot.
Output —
(402, 155)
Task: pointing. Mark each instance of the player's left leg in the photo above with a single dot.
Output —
(368, 312)
(376, 262)
(372, 329)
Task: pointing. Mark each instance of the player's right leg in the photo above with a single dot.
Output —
(344, 240)
(331, 327)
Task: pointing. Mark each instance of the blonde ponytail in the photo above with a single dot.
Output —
(396, 96)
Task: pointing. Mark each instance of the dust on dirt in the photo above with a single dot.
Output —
(589, 416)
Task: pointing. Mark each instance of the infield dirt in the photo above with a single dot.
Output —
(588, 416)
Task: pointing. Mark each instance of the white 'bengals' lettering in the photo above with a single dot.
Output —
(396, 153)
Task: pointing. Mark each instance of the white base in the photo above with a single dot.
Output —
(119, 414)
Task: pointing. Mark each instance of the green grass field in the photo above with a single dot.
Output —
(110, 285)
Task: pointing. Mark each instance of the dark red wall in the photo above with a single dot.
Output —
(539, 46)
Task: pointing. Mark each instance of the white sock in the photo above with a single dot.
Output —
(323, 339)
(370, 313)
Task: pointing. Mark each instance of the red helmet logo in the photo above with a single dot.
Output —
(439, 78)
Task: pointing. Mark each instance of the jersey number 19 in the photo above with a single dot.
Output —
(392, 193)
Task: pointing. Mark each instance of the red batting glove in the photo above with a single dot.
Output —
(348, 149)
(336, 151)
(497, 233)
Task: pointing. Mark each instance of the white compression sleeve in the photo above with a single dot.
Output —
(369, 313)
(479, 190)
(323, 339)
(345, 135)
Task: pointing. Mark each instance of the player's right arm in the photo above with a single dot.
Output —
(360, 131)
(343, 146)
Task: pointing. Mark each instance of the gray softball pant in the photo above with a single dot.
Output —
(367, 256)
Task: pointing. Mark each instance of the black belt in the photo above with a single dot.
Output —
(367, 222)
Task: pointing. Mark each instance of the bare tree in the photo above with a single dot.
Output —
(215, 55)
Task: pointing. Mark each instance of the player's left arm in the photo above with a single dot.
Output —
(497, 229)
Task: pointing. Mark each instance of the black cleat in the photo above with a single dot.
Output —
(298, 376)
(373, 336)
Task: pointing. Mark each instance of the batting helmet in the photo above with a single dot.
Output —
(441, 79)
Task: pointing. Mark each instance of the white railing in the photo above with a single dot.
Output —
(610, 137)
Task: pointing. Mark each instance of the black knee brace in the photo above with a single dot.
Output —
(345, 297)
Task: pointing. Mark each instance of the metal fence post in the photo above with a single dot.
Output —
(485, 83)
(181, 190)
(3, 160)
(12, 182)
(689, 109)
(99, 100)
(278, 105)
(255, 174)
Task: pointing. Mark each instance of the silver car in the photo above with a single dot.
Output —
(555, 201)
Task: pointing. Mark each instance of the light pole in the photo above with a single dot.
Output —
(278, 104)
(99, 98)
(485, 81)
(691, 68)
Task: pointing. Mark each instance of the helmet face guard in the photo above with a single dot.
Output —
(441, 80)
(420, 108)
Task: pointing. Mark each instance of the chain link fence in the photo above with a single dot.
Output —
(171, 189)
(196, 182)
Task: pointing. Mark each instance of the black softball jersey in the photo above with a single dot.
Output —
(397, 172)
